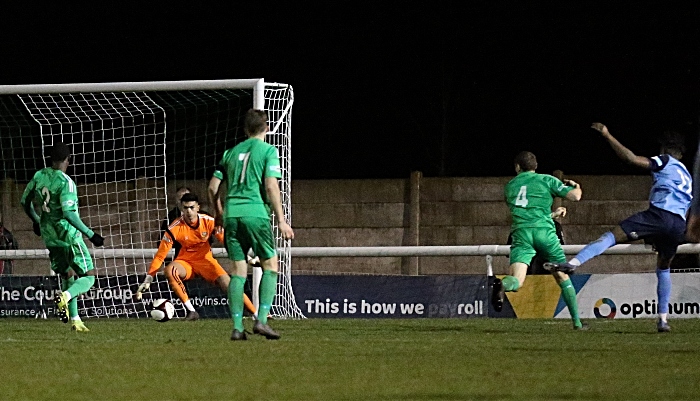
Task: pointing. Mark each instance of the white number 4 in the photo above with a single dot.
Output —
(521, 200)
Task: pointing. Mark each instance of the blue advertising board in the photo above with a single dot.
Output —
(392, 296)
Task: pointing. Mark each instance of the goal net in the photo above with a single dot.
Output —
(134, 145)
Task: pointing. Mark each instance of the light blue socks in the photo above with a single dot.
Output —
(596, 247)
(663, 288)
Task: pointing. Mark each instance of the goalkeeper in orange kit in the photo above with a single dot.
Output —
(192, 231)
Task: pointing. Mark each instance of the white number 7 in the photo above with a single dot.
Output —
(244, 157)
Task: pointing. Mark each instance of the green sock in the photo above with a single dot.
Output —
(268, 287)
(81, 286)
(569, 294)
(510, 283)
(73, 303)
(235, 301)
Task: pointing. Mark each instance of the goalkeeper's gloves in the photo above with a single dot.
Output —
(97, 239)
(144, 286)
(37, 229)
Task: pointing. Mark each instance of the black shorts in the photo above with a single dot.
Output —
(663, 229)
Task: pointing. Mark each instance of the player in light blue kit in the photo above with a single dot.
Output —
(663, 224)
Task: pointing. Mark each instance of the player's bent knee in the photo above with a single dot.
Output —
(270, 264)
(560, 277)
(175, 269)
(519, 271)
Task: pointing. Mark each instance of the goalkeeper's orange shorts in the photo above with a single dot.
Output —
(207, 268)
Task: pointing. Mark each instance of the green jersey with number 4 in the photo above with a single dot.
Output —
(530, 195)
(245, 167)
(55, 191)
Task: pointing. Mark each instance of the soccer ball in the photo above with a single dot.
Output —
(163, 310)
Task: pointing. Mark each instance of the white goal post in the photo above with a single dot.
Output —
(133, 144)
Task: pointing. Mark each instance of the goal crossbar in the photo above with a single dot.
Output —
(257, 84)
(131, 86)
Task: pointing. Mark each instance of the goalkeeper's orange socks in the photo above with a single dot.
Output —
(268, 287)
(248, 305)
(235, 301)
(178, 286)
(568, 293)
(510, 283)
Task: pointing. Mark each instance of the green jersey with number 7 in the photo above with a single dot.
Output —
(245, 167)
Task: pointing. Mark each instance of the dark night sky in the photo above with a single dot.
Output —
(384, 88)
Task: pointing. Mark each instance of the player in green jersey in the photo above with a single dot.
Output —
(530, 196)
(61, 227)
(251, 170)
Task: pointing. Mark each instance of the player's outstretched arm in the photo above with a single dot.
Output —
(165, 245)
(28, 207)
(621, 151)
(575, 194)
(215, 200)
(72, 217)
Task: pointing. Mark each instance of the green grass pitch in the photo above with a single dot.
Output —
(349, 359)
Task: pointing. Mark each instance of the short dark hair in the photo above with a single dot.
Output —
(255, 122)
(673, 141)
(59, 152)
(526, 160)
(189, 197)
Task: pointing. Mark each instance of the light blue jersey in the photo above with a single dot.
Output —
(673, 186)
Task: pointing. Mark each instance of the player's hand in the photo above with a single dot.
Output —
(600, 127)
(97, 239)
(253, 261)
(37, 229)
(559, 212)
(570, 183)
(145, 286)
(286, 230)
